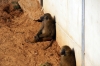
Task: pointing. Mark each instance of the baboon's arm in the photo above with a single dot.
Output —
(40, 20)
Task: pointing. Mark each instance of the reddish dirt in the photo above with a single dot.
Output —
(15, 28)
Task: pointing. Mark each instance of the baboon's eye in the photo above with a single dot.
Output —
(42, 17)
(63, 52)
(46, 17)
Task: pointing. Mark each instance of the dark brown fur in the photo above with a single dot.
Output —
(47, 30)
(67, 57)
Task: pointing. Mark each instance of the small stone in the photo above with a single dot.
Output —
(46, 64)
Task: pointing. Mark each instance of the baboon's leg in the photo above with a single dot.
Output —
(36, 38)
(43, 35)
(40, 31)
(48, 39)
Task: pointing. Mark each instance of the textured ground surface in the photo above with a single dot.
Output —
(15, 28)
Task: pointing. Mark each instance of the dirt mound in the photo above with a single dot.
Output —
(9, 12)
(15, 28)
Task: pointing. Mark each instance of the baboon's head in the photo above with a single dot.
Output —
(66, 50)
(47, 16)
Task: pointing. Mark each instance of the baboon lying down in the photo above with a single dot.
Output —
(67, 57)
(47, 30)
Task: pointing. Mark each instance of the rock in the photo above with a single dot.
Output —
(30, 6)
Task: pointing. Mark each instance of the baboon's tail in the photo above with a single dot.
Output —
(49, 44)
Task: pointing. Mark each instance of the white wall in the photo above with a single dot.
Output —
(68, 15)
(92, 47)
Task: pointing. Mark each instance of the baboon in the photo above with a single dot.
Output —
(47, 30)
(67, 57)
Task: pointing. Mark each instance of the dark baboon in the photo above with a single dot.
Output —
(67, 57)
(47, 30)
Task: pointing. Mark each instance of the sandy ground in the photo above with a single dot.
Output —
(15, 28)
